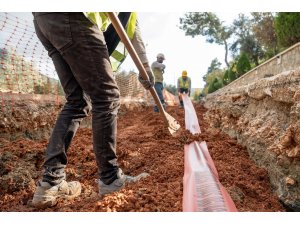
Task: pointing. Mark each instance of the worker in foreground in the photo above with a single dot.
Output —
(183, 86)
(80, 53)
(158, 69)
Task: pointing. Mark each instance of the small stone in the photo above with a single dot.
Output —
(289, 181)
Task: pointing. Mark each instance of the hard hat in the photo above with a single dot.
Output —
(184, 73)
(160, 55)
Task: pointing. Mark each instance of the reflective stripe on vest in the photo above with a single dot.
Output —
(131, 25)
(102, 21)
(98, 18)
(184, 84)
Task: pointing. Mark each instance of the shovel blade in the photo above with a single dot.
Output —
(173, 125)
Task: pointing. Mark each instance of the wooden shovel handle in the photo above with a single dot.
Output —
(124, 38)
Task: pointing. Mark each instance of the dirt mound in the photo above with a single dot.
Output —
(144, 145)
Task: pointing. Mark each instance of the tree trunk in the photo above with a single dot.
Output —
(226, 53)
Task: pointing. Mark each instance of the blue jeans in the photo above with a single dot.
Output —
(159, 87)
(80, 56)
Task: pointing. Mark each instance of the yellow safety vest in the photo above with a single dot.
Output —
(184, 83)
(102, 21)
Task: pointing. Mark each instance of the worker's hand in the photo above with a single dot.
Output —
(147, 83)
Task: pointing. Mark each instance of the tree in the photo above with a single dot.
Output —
(243, 64)
(214, 74)
(209, 25)
(246, 41)
(215, 85)
(287, 28)
(211, 87)
(263, 27)
(214, 81)
(196, 95)
(231, 75)
(214, 65)
(226, 79)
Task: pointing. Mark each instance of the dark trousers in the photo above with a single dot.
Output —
(181, 91)
(80, 56)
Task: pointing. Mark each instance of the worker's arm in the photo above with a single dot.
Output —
(140, 49)
(157, 65)
(178, 86)
(138, 45)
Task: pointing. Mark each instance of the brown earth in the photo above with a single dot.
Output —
(143, 146)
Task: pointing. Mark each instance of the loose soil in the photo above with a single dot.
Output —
(143, 146)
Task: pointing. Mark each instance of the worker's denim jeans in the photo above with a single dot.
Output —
(159, 87)
(80, 56)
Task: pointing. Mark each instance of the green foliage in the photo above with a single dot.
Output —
(210, 79)
(196, 95)
(287, 26)
(263, 27)
(205, 90)
(226, 79)
(260, 36)
(215, 85)
(211, 88)
(243, 65)
(214, 65)
(231, 75)
(246, 40)
(218, 83)
(215, 74)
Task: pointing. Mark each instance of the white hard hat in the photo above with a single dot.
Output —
(160, 55)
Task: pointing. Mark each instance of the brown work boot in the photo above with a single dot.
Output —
(46, 195)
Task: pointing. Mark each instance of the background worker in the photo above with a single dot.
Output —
(183, 86)
(76, 44)
(158, 69)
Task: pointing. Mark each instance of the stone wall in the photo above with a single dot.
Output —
(264, 116)
(285, 61)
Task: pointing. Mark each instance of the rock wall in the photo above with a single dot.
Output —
(284, 61)
(264, 116)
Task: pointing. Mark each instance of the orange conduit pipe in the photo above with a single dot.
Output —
(202, 190)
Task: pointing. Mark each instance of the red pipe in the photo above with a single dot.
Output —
(202, 190)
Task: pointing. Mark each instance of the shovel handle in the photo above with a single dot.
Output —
(124, 38)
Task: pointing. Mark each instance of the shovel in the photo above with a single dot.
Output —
(172, 124)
